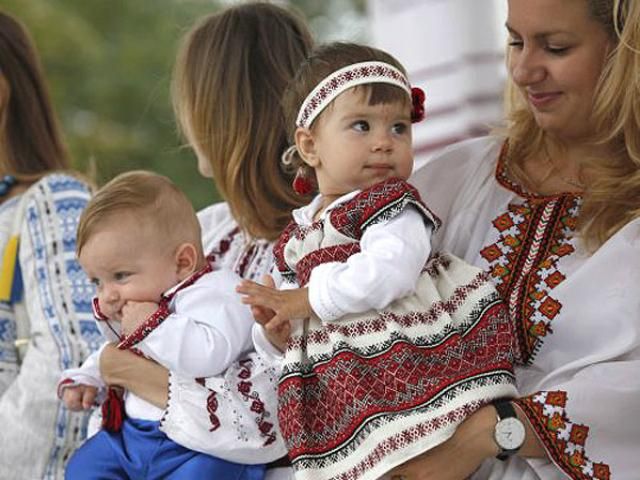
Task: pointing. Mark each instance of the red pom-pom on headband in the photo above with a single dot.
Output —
(417, 105)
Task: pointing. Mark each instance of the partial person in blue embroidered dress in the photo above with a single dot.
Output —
(388, 346)
(139, 242)
(46, 322)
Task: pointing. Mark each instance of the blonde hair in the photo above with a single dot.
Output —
(612, 196)
(325, 60)
(30, 136)
(153, 199)
(228, 80)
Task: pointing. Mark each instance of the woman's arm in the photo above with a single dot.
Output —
(463, 453)
(143, 377)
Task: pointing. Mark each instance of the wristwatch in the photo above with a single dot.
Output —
(509, 431)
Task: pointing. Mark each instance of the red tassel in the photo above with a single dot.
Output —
(302, 184)
(112, 411)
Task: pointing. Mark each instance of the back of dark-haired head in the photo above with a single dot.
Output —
(30, 135)
(325, 60)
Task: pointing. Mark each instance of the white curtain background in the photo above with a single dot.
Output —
(453, 50)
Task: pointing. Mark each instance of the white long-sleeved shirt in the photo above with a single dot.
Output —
(207, 330)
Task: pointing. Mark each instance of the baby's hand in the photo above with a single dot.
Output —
(263, 316)
(279, 336)
(282, 305)
(79, 397)
(134, 314)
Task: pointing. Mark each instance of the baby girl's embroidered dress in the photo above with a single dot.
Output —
(365, 392)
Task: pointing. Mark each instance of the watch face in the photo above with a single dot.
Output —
(509, 433)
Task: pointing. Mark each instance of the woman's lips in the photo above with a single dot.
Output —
(541, 100)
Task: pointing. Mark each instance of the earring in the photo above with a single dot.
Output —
(302, 183)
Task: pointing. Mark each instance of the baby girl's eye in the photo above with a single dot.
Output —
(360, 126)
(95, 282)
(399, 128)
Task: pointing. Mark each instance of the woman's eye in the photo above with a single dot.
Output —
(556, 50)
(515, 43)
(399, 128)
(360, 126)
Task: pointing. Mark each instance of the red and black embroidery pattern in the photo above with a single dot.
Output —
(379, 203)
(523, 261)
(533, 237)
(405, 375)
(564, 439)
(250, 395)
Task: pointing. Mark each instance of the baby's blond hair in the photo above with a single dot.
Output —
(153, 199)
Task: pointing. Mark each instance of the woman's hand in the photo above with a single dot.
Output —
(470, 445)
(285, 304)
(143, 377)
(458, 457)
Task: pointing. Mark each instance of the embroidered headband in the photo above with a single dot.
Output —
(340, 80)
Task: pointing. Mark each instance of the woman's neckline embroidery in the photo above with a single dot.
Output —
(503, 179)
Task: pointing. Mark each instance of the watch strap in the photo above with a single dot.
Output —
(505, 409)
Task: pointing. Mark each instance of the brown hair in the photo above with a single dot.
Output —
(154, 200)
(612, 197)
(29, 131)
(325, 60)
(228, 80)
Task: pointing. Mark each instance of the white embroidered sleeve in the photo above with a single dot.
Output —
(209, 329)
(391, 258)
(87, 374)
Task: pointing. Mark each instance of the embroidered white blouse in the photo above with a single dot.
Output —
(54, 319)
(577, 314)
(207, 330)
(232, 416)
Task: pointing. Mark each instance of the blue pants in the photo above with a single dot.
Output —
(141, 451)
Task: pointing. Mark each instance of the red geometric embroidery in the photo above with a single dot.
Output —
(563, 439)
(532, 237)
(212, 407)
(244, 387)
(380, 202)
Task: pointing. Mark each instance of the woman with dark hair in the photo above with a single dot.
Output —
(229, 76)
(46, 322)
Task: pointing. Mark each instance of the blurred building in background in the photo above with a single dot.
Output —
(109, 63)
(454, 50)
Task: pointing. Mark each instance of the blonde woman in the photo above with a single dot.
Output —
(551, 208)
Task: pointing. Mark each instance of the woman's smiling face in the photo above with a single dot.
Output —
(557, 53)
